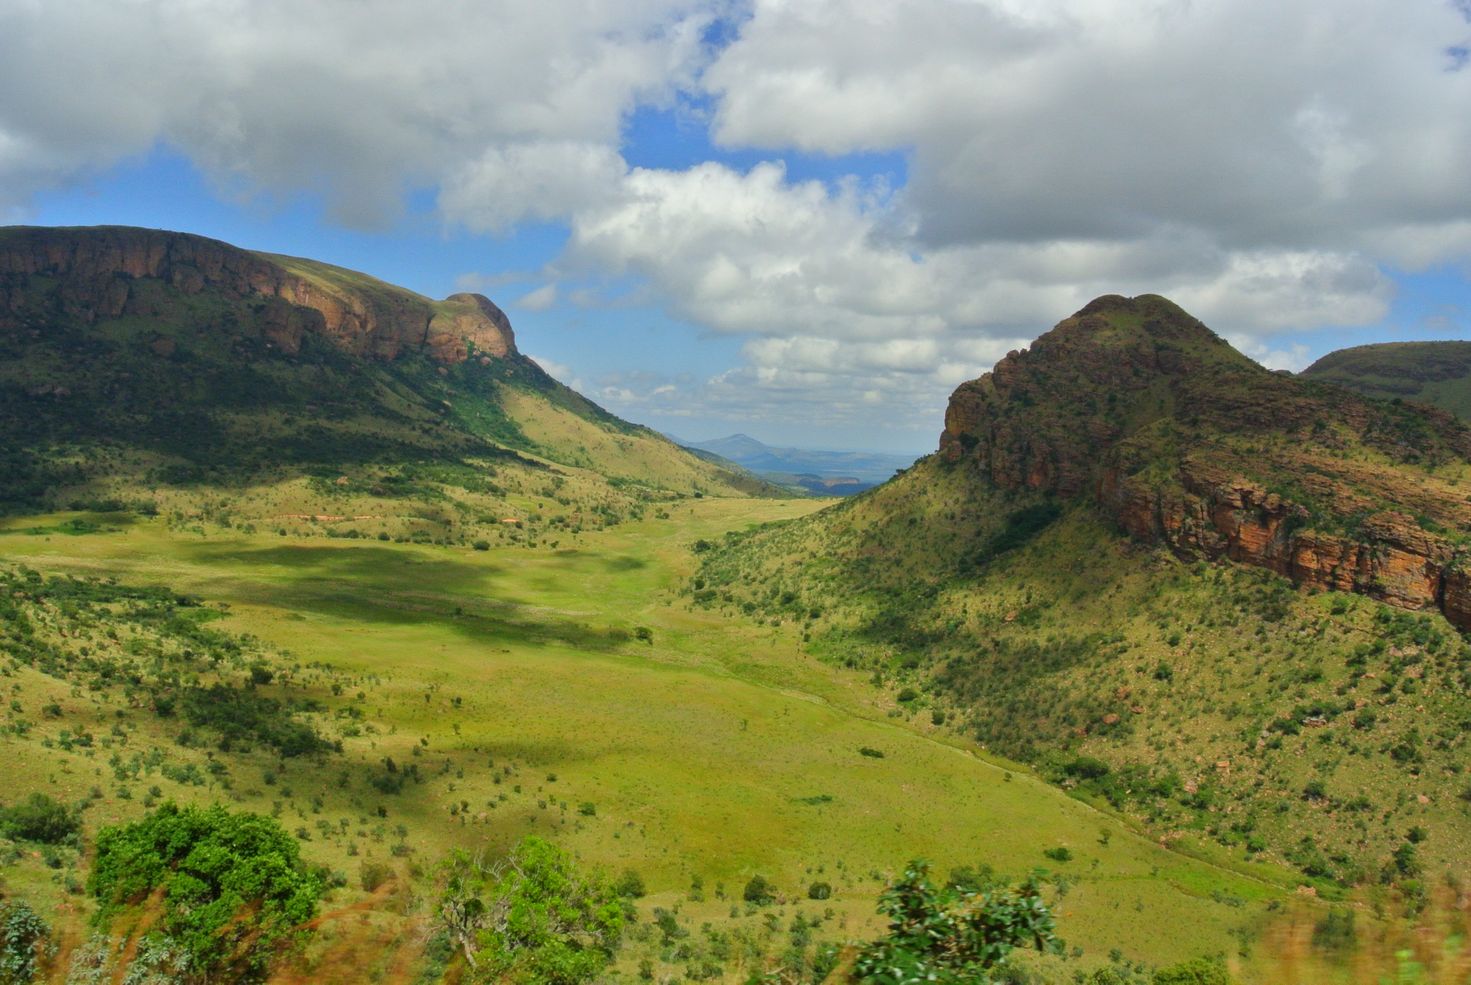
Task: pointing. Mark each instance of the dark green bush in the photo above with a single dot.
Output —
(40, 818)
(759, 891)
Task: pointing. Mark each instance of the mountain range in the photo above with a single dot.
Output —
(823, 473)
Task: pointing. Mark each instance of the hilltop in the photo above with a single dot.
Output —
(1158, 571)
(153, 369)
(1436, 373)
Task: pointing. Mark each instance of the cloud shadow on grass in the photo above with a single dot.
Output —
(393, 587)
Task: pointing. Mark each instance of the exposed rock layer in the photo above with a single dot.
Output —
(95, 271)
(1140, 407)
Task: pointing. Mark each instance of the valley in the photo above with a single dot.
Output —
(515, 682)
(332, 623)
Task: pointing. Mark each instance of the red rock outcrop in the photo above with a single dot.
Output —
(1134, 404)
(96, 271)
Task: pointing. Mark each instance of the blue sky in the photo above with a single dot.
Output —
(806, 220)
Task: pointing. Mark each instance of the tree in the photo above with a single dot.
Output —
(531, 917)
(953, 935)
(214, 867)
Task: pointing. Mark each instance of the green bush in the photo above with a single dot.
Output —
(820, 890)
(40, 818)
(1198, 971)
(213, 867)
(630, 885)
(950, 936)
(759, 891)
(23, 938)
(531, 918)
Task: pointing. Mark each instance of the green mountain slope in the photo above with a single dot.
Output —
(1045, 582)
(1436, 373)
(136, 365)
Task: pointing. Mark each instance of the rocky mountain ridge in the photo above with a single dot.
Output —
(1186, 443)
(90, 273)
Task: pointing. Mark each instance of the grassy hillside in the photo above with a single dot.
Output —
(560, 691)
(1436, 373)
(208, 389)
(996, 589)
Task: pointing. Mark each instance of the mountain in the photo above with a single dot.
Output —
(138, 364)
(826, 473)
(1095, 573)
(1437, 373)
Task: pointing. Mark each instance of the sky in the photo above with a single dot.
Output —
(804, 220)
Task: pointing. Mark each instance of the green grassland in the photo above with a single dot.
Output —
(1210, 702)
(571, 691)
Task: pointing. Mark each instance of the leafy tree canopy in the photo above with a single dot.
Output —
(953, 934)
(532, 917)
(212, 866)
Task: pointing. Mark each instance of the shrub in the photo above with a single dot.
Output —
(40, 818)
(1058, 854)
(23, 937)
(1198, 971)
(630, 885)
(819, 890)
(372, 875)
(871, 752)
(759, 891)
(531, 918)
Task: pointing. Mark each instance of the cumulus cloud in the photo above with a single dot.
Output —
(1263, 162)
(360, 100)
(842, 312)
(1266, 124)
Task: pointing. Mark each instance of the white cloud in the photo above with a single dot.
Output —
(1263, 124)
(358, 99)
(541, 180)
(558, 371)
(540, 299)
(1263, 162)
(836, 304)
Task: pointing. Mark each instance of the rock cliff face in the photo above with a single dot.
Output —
(1186, 443)
(94, 273)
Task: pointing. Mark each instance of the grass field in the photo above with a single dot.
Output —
(572, 692)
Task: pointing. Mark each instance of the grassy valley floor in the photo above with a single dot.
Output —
(572, 692)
